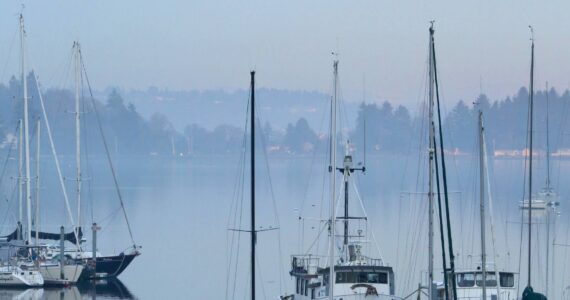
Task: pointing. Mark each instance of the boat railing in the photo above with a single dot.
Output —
(305, 263)
(310, 263)
(366, 261)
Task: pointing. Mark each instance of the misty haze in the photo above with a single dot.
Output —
(292, 151)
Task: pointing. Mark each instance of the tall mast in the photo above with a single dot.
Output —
(549, 203)
(26, 131)
(332, 169)
(20, 177)
(431, 165)
(37, 217)
(531, 104)
(78, 132)
(482, 203)
(346, 170)
(346, 174)
(547, 142)
(253, 232)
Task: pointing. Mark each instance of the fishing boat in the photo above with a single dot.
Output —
(351, 274)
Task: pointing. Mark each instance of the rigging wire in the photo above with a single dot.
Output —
(238, 196)
(86, 152)
(5, 165)
(275, 211)
(8, 57)
(56, 160)
(366, 217)
(522, 201)
(308, 184)
(108, 154)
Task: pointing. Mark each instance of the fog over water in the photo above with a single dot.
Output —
(179, 211)
(170, 82)
(179, 207)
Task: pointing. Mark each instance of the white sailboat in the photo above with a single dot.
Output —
(16, 267)
(58, 272)
(350, 275)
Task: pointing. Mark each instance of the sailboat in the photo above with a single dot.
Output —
(529, 293)
(351, 274)
(99, 266)
(16, 258)
(449, 276)
(31, 257)
(66, 265)
(485, 281)
(546, 204)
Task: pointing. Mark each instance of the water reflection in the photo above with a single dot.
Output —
(102, 289)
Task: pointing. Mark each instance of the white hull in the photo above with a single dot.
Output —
(51, 273)
(476, 293)
(14, 277)
(356, 296)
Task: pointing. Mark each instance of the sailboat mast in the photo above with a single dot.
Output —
(549, 203)
(20, 176)
(346, 174)
(37, 217)
(253, 232)
(332, 169)
(482, 204)
(431, 166)
(26, 131)
(78, 132)
(547, 141)
(531, 105)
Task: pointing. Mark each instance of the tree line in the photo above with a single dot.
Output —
(382, 127)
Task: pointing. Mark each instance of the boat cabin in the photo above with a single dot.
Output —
(351, 280)
(470, 285)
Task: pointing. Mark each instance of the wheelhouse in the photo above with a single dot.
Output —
(381, 277)
(475, 279)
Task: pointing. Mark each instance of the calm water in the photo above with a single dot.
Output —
(179, 207)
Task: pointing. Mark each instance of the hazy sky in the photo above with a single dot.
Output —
(213, 44)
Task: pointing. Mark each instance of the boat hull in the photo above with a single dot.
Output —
(108, 266)
(52, 274)
(357, 296)
(20, 278)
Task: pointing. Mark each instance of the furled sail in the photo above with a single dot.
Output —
(70, 236)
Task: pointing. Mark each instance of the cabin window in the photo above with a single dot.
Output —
(361, 277)
(507, 279)
(465, 279)
(491, 279)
